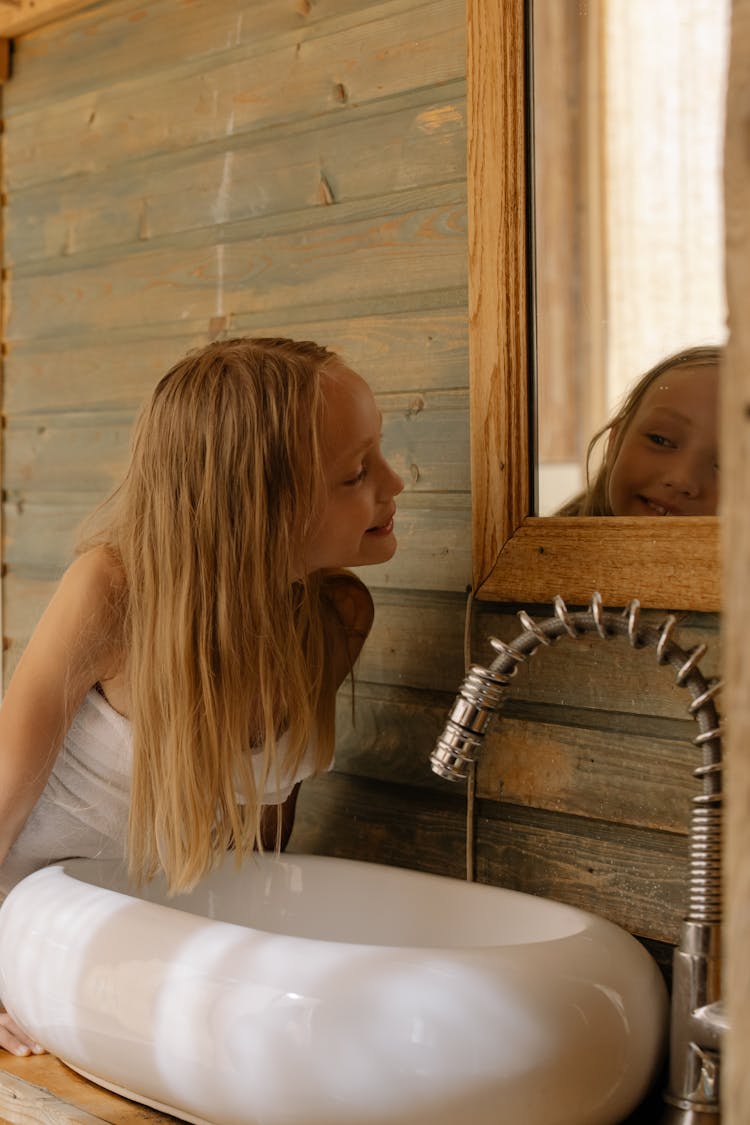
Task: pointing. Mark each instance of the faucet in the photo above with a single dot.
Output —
(697, 1017)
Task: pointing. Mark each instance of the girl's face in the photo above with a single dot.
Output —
(668, 462)
(355, 525)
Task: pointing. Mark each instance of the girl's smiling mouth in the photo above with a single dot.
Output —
(657, 508)
(381, 529)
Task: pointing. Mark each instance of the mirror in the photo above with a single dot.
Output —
(627, 255)
(519, 556)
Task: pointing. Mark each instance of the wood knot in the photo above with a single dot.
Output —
(325, 192)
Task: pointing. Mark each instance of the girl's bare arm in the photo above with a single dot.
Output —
(70, 649)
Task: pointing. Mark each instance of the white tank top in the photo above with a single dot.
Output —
(83, 809)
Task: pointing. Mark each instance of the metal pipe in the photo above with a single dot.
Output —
(697, 1021)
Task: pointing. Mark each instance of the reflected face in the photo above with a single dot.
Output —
(355, 526)
(668, 462)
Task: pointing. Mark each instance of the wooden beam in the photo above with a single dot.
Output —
(19, 16)
(735, 477)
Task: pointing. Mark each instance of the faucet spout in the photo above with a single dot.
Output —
(698, 1020)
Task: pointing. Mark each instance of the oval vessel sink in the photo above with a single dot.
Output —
(315, 991)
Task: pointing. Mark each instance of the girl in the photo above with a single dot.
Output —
(181, 682)
(661, 457)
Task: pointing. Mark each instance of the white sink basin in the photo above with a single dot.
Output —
(315, 991)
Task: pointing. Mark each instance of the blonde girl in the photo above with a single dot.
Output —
(182, 680)
(661, 456)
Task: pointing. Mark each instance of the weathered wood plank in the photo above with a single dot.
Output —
(39, 538)
(22, 1103)
(84, 452)
(432, 529)
(391, 735)
(27, 15)
(88, 49)
(199, 101)
(214, 273)
(634, 877)
(301, 225)
(415, 349)
(622, 557)
(601, 775)
(425, 436)
(239, 178)
(433, 532)
(416, 639)
(41, 1089)
(604, 675)
(622, 778)
(344, 816)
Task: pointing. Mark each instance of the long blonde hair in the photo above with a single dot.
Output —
(224, 636)
(594, 500)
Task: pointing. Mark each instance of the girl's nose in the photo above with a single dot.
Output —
(391, 482)
(687, 477)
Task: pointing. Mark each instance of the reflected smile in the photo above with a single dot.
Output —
(657, 508)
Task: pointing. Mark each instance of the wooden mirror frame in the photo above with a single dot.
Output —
(518, 557)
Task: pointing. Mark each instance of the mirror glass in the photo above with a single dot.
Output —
(627, 246)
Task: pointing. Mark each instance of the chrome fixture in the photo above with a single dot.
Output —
(697, 1021)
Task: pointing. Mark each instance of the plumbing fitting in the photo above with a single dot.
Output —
(697, 1020)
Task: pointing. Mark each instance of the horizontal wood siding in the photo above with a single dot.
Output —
(257, 168)
(176, 172)
(583, 786)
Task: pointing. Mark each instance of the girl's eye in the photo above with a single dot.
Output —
(659, 439)
(359, 477)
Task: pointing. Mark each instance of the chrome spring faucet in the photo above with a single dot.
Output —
(697, 1021)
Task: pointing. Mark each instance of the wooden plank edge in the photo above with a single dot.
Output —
(621, 558)
(17, 17)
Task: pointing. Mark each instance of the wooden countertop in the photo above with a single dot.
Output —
(40, 1090)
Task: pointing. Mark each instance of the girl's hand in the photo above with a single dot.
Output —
(16, 1041)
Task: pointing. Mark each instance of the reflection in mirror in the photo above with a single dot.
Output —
(660, 451)
(628, 100)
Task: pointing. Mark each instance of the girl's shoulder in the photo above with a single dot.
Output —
(349, 599)
(76, 642)
(347, 615)
(93, 591)
(96, 578)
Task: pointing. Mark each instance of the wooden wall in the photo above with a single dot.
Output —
(179, 171)
(175, 171)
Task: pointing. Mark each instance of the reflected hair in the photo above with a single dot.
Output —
(224, 635)
(594, 499)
